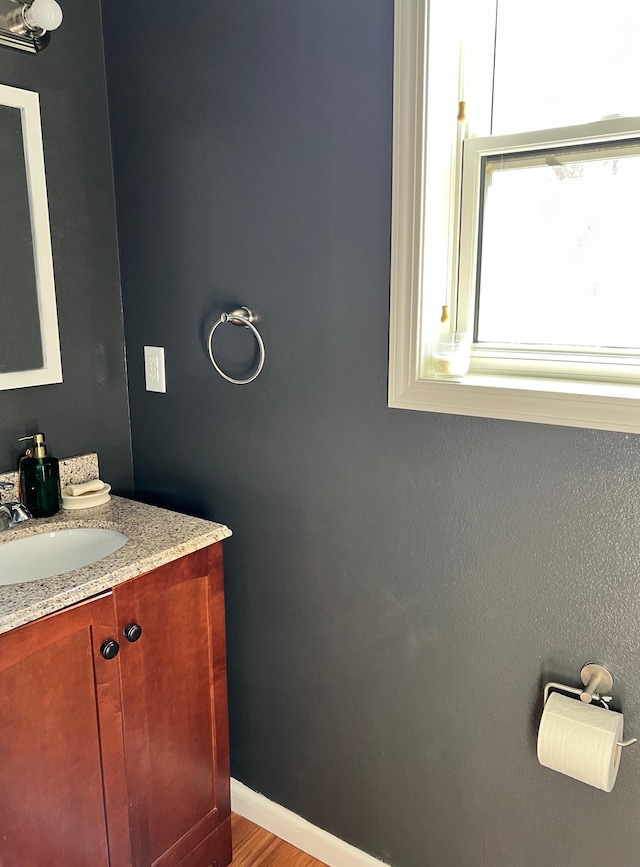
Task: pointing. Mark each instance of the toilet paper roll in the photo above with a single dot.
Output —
(581, 741)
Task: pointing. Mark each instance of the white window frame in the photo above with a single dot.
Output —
(615, 365)
(426, 178)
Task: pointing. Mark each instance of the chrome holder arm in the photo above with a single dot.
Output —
(593, 676)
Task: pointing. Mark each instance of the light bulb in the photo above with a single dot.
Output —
(43, 15)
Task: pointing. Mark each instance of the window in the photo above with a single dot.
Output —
(517, 204)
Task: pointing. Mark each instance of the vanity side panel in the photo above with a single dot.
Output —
(174, 707)
(220, 701)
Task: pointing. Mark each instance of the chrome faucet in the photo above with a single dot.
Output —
(12, 514)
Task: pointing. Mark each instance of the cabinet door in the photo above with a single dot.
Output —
(52, 803)
(174, 697)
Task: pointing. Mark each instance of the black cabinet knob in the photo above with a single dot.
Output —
(132, 632)
(110, 649)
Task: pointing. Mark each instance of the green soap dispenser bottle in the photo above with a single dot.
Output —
(39, 479)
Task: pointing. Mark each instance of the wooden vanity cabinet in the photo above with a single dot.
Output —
(121, 761)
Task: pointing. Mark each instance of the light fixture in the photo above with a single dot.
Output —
(27, 26)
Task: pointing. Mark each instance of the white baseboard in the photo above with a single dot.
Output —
(292, 828)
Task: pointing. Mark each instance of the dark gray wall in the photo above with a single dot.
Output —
(399, 584)
(88, 411)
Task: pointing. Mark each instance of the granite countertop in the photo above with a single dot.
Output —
(156, 536)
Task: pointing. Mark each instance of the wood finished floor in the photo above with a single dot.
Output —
(255, 847)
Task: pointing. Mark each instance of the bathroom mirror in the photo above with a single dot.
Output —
(29, 341)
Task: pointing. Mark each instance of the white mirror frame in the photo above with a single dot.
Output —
(29, 104)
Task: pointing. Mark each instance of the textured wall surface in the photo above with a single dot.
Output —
(399, 584)
(88, 411)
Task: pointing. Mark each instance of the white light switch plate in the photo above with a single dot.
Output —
(154, 375)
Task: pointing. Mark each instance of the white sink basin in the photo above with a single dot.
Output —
(47, 554)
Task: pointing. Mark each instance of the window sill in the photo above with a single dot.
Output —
(602, 406)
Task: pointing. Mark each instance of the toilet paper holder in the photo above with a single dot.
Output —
(596, 681)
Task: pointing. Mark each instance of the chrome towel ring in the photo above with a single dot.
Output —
(244, 317)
